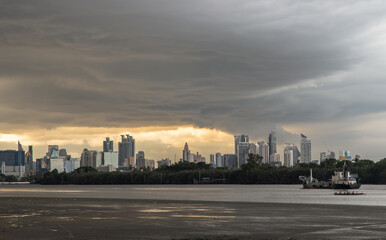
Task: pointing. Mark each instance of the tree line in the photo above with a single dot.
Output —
(254, 172)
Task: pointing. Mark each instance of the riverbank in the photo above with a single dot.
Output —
(64, 218)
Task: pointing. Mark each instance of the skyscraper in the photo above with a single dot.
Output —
(272, 144)
(288, 157)
(185, 153)
(240, 138)
(264, 151)
(305, 149)
(140, 159)
(29, 160)
(108, 146)
(242, 153)
(253, 148)
(88, 158)
(219, 160)
(323, 156)
(212, 162)
(230, 161)
(295, 152)
(126, 149)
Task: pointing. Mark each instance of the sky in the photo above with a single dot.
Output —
(171, 71)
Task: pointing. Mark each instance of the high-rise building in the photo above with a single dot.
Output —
(185, 153)
(29, 160)
(89, 158)
(242, 153)
(110, 158)
(254, 148)
(272, 144)
(230, 161)
(212, 162)
(219, 160)
(140, 159)
(52, 148)
(240, 138)
(305, 148)
(11, 157)
(331, 155)
(126, 150)
(164, 162)
(295, 152)
(275, 159)
(108, 146)
(288, 157)
(264, 151)
(197, 158)
(323, 156)
(150, 164)
(63, 152)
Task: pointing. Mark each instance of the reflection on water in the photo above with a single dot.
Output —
(202, 216)
(42, 190)
(177, 189)
(375, 194)
(156, 210)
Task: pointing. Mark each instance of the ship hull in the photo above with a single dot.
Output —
(346, 186)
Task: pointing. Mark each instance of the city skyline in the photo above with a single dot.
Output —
(192, 71)
(261, 148)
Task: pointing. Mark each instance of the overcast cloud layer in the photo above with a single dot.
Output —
(315, 67)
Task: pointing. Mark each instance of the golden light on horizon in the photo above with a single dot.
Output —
(168, 141)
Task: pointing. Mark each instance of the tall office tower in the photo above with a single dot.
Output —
(140, 159)
(29, 160)
(264, 151)
(197, 158)
(288, 158)
(126, 150)
(88, 158)
(240, 138)
(212, 162)
(52, 148)
(219, 160)
(254, 148)
(323, 157)
(63, 153)
(84, 157)
(305, 149)
(242, 153)
(108, 146)
(331, 155)
(185, 153)
(295, 152)
(230, 161)
(272, 143)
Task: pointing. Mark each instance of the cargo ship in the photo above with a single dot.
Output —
(340, 180)
(311, 182)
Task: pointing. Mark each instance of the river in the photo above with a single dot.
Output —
(375, 195)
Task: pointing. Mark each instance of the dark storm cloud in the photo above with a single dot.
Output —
(207, 63)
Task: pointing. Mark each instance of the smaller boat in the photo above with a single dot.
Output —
(348, 193)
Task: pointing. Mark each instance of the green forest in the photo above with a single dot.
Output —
(254, 172)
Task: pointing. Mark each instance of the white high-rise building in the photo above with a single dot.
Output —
(288, 158)
(305, 149)
(254, 148)
(219, 160)
(295, 152)
(264, 151)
